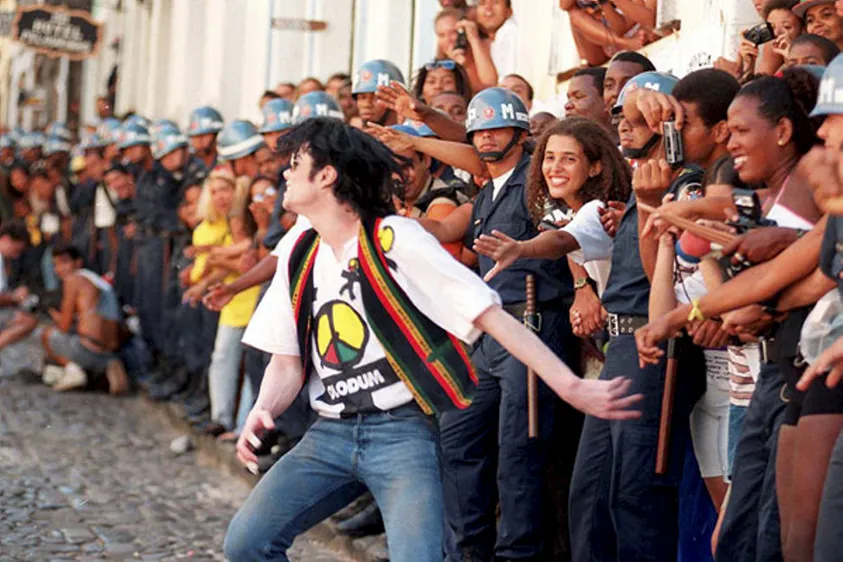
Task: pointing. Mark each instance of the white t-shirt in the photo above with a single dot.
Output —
(105, 215)
(504, 48)
(499, 182)
(350, 371)
(595, 253)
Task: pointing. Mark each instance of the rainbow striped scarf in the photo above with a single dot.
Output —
(430, 361)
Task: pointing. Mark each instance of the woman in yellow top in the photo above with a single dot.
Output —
(218, 242)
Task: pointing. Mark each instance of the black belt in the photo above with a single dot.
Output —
(624, 325)
(519, 311)
(150, 231)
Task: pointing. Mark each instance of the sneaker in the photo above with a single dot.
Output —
(118, 380)
(74, 378)
(52, 374)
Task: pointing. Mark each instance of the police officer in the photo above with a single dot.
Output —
(371, 75)
(29, 147)
(204, 124)
(109, 132)
(133, 143)
(621, 509)
(156, 204)
(486, 446)
(7, 153)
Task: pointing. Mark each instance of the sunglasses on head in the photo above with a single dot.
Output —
(447, 64)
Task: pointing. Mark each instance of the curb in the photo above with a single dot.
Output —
(366, 549)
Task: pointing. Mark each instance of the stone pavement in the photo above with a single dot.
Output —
(87, 476)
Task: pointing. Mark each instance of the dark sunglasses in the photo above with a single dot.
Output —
(447, 64)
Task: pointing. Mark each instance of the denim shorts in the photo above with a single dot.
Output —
(71, 348)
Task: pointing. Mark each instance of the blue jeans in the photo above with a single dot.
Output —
(394, 454)
(737, 415)
(224, 375)
(750, 530)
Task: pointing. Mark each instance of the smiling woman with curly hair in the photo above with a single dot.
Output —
(576, 165)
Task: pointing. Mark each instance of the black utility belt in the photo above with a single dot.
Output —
(155, 232)
(518, 310)
(623, 324)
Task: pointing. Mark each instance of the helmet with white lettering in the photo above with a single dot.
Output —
(496, 108)
(277, 116)
(59, 131)
(132, 133)
(204, 120)
(109, 130)
(316, 104)
(238, 139)
(830, 98)
(657, 81)
(375, 73)
(166, 139)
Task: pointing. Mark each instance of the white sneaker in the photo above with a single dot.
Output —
(74, 377)
(52, 374)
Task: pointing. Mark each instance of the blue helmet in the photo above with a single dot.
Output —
(496, 108)
(277, 116)
(316, 104)
(830, 97)
(167, 139)
(55, 145)
(109, 130)
(91, 141)
(133, 134)
(204, 120)
(139, 119)
(657, 81)
(7, 141)
(419, 128)
(30, 140)
(375, 73)
(60, 131)
(17, 134)
(238, 139)
(160, 124)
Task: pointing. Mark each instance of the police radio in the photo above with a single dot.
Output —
(673, 147)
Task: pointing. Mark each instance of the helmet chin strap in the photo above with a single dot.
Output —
(638, 153)
(498, 155)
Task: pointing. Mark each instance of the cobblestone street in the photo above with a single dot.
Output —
(91, 477)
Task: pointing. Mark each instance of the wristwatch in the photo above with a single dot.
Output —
(580, 283)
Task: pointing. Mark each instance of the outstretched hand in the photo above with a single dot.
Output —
(829, 362)
(605, 399)
(397, 98)
(501, 248)
(396, 141)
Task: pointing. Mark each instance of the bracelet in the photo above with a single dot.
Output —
(696, 313)
(581, 283)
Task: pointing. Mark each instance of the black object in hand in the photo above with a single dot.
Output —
(760, 34)
(462, 40)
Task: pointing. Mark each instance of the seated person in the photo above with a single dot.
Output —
(14, 325)
(603, 28)
(90, 309)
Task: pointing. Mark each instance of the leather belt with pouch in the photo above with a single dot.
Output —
(518, 310)
(623, 325)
